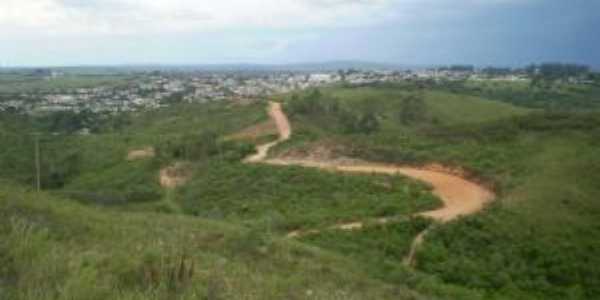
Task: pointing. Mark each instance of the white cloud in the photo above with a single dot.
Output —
(66, 17)
(117, 17)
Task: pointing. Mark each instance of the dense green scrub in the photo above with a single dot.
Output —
(94, 168)
(52, 248)
(298, 198)
(381, 249)
(539, 239)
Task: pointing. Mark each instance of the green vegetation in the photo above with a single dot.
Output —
(103, 228)
(539, 240)
(128, 182)
(445, 108)
(94, 167)
(381, 249)
(555, 96)
(53, 248)
(298, 198)
(550, 72)
(542, 237)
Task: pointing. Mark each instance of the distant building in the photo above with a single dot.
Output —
(320, 78)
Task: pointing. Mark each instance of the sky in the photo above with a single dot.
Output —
(406, 32)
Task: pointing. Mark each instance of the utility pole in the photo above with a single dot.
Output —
(37, 162)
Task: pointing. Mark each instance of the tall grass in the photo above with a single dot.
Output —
(52, 248)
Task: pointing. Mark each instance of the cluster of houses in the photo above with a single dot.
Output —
(155, 90)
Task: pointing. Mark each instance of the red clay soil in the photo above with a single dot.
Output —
(460, 196)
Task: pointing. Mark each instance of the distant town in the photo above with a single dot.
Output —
(154, 89)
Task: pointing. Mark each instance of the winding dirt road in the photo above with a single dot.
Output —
(283, 128)
(460, 196)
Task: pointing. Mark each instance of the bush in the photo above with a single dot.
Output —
(202, 146)
(312, 103)
(129, 182)
(365, 122)
(412, 109)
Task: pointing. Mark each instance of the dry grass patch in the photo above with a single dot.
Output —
(175, 175)
(143, 153)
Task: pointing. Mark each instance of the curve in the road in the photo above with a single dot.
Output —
(460, 196)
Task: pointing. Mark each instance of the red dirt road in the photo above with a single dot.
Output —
(461, 197)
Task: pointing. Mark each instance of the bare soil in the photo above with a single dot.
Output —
(283, 129)
(460, 196)
(176, 175)
(143, 153)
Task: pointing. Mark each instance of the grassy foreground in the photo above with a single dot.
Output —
(56, 249)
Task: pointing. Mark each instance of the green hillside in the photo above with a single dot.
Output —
(543, 165)
(103, 228)
(52, 248)
(448, 108)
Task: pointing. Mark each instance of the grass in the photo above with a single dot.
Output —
(56, 249)
(221, 235)
(94, 167)
(543, 165)
(381, 249)
(185, 119)
(457, 109)
(549, 97)
(133, 182)
(446, 108)
(298, 198)
(532, 241)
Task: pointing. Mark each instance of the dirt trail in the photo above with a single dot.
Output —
(460, 196)
(283, 128)
(409, 260)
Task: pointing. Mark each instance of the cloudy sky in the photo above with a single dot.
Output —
(482, 32)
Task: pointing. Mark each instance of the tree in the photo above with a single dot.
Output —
(313, 103)
(412, 110)
(550, 72)
(368, 123)
(364, 122)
